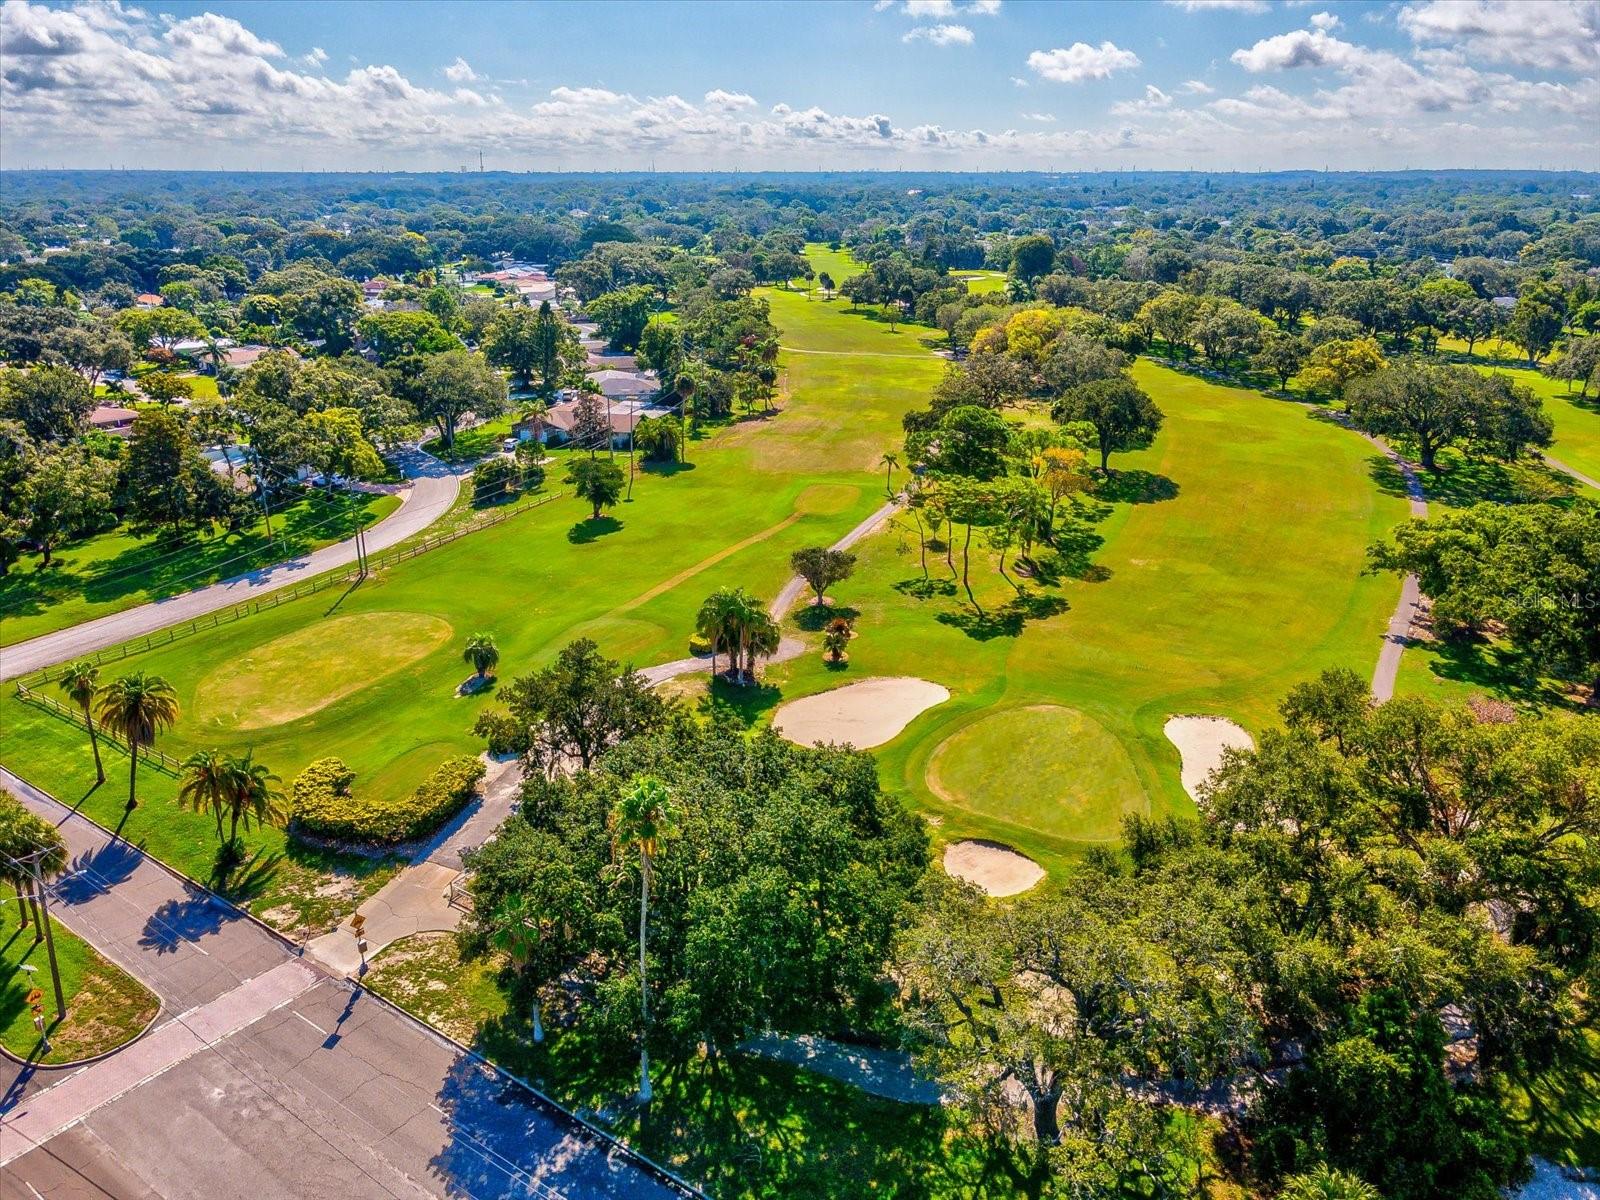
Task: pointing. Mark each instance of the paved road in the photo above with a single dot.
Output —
(265, 1078)
(433, 490)
(1398, 636)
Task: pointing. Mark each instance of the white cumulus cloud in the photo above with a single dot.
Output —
(460, 72)
(1081, 61)
(1550, 35)
(940, 35)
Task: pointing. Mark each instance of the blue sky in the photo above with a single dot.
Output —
(945, 84)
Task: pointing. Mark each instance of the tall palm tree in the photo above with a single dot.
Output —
(482, 654)
(79, 682)
(208, 780)
(254, 796)
(137, 707)
(642, 820)
(712, 622)
(32, 852)
(761, 637)
(890, 461)
(516, 934)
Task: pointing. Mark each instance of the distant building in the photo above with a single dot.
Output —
(625, 385)
(148, 300)
(109, 418)
(1504, 301)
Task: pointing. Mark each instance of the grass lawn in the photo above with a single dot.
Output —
(113, 571)
(1221, 568)
(980, 283)
(477, 442)
(105, 1005)
(1559, 1107)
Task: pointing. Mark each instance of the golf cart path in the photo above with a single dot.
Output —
(1398, 636)
(1573, 472)
(788, 647)
(433, 489)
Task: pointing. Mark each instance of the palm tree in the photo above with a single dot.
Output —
(685, 387)
(712, 623)
(482, 654)
(537, 412)
(836, 639)
(32, 852)
(79, 682)
(516, 935)
(761, 637)
(890, 461)
(254, 796)
(1327, 1184)
(207, 786)
(137, 707)
(642, 819)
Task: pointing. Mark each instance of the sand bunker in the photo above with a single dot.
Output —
(1201, 741)
(998, 870)
(864, 714)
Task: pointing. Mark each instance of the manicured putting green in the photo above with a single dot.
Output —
(1043, 764)
(303, 672)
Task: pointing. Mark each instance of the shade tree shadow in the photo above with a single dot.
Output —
(1136, 487)
(813, 618)
(95, 871)
(1008, 620)
(742, 702)
(592, 529)
(179, 921)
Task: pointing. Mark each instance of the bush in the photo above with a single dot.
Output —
(324, 805)
(503, 733)
(495, 480)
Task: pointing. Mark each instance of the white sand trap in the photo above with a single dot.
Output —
(998, 870)
(864, 714)
(1201, 741)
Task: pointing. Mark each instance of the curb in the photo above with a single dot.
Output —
(28, 1063)
(655, 1169)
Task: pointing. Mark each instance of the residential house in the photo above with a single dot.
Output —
(625, 385)
(108, 418)
(148, 300)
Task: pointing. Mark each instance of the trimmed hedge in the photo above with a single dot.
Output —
(324, 805)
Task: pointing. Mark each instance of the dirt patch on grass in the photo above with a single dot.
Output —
(864, 714)
(424, 974)
(1201, 742)
(996, 868)
(303, 672)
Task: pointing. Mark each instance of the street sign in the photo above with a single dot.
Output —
(35, 995)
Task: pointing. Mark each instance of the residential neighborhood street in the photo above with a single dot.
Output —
(264, 1072)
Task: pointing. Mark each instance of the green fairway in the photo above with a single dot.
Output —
(366, 676)
(981, 283)
(1226, 569)
(105, 1005)
(1221, 566)
(113, 571)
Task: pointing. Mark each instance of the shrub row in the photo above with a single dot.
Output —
(324, 805)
